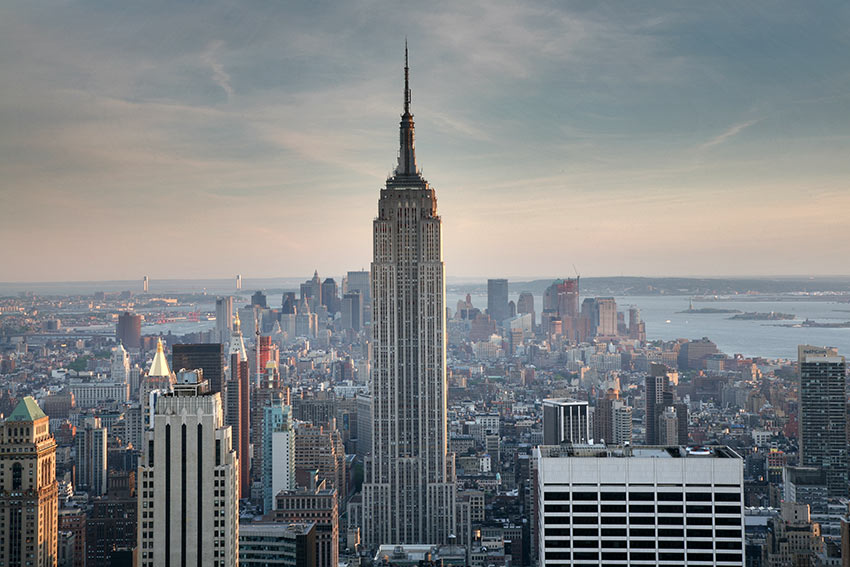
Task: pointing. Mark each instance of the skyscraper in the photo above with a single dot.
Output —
(28, 488)
(409, 490)
(823, 414)
(223, 318)
(188, 506)
(565, 421)
(278, 451)
(91, 456)
(128, 331)
(497, 299)
(207, 357)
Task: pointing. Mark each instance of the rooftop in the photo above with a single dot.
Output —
(26, 410)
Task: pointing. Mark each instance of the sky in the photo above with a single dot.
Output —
(206, 139)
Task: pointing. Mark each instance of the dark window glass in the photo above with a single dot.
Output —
(556, 496)
(616, 555)
(668, 556)
(727, 509)
(585, 543)
(642, 556)
(621, 508)
(642, 532)
(642, 508)
(558, 543)
(585, 519)
(641, 544)
(699, 509)
(700, 557)
(728, 533)
(585, 532)
(670, 497)
(727, 497)
(670, 532)
(729, 557)
(641, 496)
(641, 520)
(557, 531)
(612, 496)
(557, 555)
(579, 555)
(669, 508)
(727, 545)
(613, 519)
(614, 543)
(557, 520)
(700, 545)
(727, 521)
(585, 496)
(699, 533)
(557, 508)
(699, 496)
(674, 544)
(670, 520)
(614, 532)
(698, 521)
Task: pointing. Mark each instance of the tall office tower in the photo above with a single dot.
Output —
(188, 474)
(128, 331)
(238, 282)
(145, 283)
(352, 310)
(238, 403)
(330, 295)
(525, 305)
(288, 304)
(259, 299)
(639, 506)
(562, 297)
(637, 328)
(207, 357)
(223, 318)
(603, 417)
(111, 521)
(823, 414)
(660, 396)
(409, 490)
(497, 300)
(311, 291)
(622, 418)
(266, 393)
(565, 421)
(278, 451)
(278, 544)
(158, 380)
(607, 317)
(91, 456)
(120, 367)
(28, 488)
(359, 281)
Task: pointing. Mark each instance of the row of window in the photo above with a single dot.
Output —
(642, 544)
(647, 520)
(643, 496)
(644, 556)
(641, 532)
(642, 508)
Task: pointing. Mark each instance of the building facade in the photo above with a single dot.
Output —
(188, 482)
(28, 489)
(409, 490)
(823, 414)
(640, 506)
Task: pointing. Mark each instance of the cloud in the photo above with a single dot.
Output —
(730, 132)
(219, 76)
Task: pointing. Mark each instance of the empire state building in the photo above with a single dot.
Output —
(409, 490)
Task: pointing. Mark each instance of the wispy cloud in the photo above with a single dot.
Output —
(219, 76)
(730, 132)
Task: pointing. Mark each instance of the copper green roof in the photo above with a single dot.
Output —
(26, 410)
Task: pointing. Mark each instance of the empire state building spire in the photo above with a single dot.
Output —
(407, 150)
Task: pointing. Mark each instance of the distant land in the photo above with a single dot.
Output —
(701, 289)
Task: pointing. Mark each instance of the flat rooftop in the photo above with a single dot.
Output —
(647, 451)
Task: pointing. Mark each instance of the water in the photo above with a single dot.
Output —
(769, 339)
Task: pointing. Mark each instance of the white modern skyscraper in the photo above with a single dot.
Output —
(188, 510)
(565, 421)
(409, 493)
(278, 452)
(623, 506)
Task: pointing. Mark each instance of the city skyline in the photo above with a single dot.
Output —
(714, 135)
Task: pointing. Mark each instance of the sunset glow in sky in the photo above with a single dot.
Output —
(181, 139)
